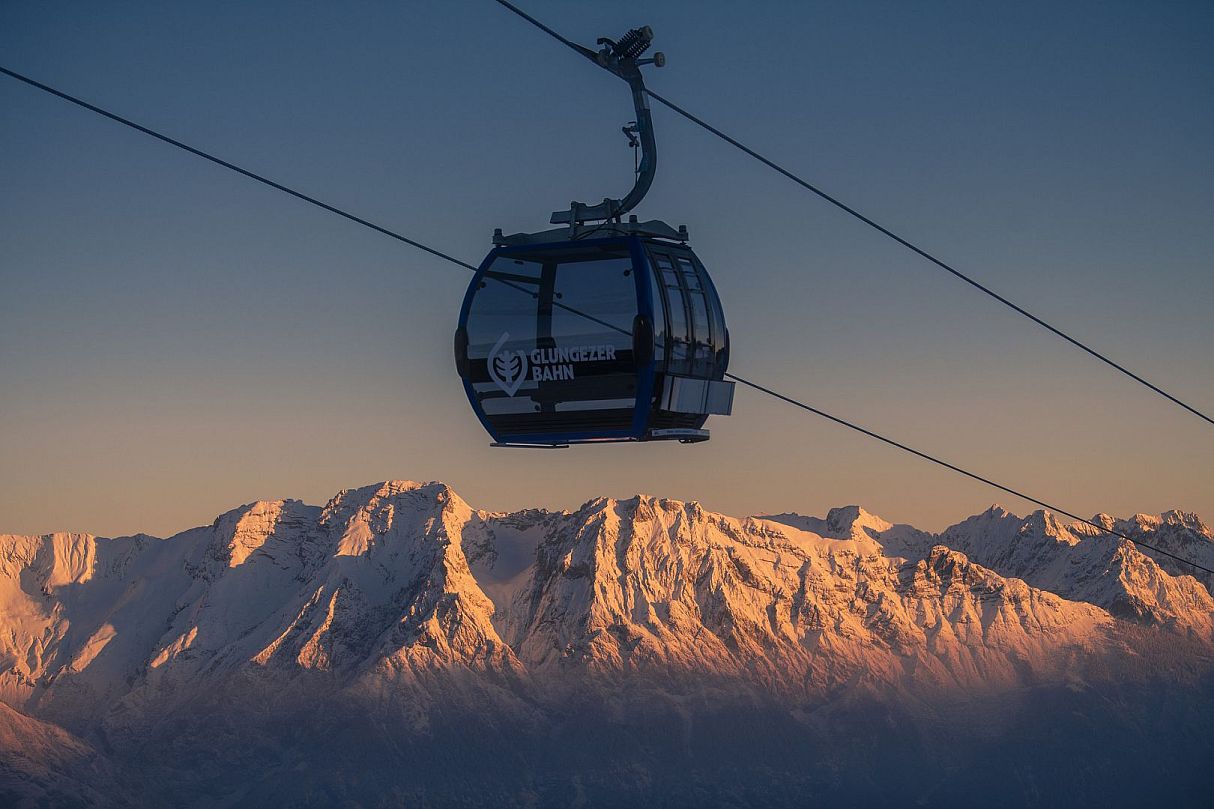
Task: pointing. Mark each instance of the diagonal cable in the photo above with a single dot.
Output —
(447, 257)
(878, 227)
(933, 459)
(232, 166)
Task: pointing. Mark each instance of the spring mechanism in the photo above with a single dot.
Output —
(634, 43)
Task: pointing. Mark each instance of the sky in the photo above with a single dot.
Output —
(176, 340)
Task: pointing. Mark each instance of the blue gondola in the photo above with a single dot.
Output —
(596, 332)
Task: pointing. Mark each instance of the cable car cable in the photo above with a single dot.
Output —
(265, 180)
(447, 257)
(218, 161)
(925, 456)
(880, 228)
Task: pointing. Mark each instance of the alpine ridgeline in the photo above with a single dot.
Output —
(399, 647)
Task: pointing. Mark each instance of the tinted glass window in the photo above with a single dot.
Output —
(690, 276)
(719, 333)
(506, 302)
(550, 341)
(594, 298)
(659, 318)
(695, 328)
(702, 353)
(678, 323)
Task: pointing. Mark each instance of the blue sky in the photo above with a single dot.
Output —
(175, 339)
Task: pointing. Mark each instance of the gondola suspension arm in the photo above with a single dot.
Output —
(621, 58)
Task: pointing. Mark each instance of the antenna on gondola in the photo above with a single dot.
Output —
(634, 143)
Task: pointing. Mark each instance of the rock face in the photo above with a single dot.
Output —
(1083, 564)
(399, 646)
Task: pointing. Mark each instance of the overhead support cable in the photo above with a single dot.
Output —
(878, 227)
(933, 459)
(448, 257)
(232, 166)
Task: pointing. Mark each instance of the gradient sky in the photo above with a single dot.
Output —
(176, 340)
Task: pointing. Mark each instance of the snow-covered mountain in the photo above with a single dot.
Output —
(536, 653)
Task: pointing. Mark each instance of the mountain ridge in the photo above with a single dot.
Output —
(400, 605)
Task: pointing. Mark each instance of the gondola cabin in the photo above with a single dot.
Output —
(615, 336)
(597, 332)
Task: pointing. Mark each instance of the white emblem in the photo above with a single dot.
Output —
(507, 368)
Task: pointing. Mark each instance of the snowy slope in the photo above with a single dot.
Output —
(399, 579)
(43, 765)
(397, 611)
(649, 583)
(1083, 564)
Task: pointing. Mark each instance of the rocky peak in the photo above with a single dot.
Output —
(243, 531)
(850, 521)
(1045, 524)
(1187, 519)
(401, 581)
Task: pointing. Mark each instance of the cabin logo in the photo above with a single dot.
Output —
(507, 368)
